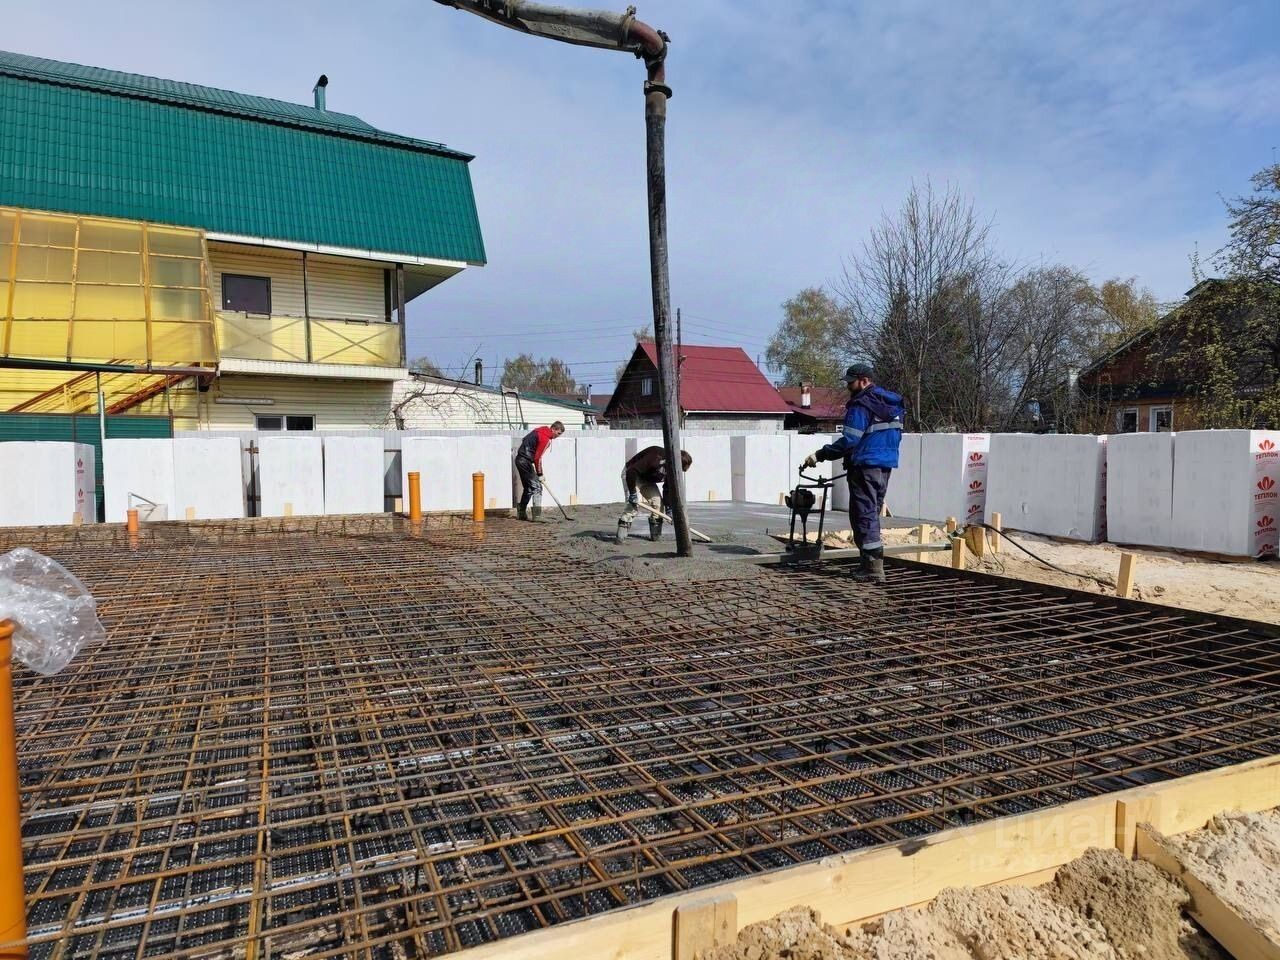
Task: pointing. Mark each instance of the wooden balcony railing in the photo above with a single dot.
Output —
(298, 340)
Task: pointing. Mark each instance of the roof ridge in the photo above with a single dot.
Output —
(211, 99)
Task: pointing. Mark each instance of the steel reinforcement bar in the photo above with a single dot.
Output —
(355, 737)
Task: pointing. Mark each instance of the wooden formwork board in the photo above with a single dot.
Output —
(863, 885)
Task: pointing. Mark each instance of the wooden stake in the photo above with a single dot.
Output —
(288, 509)
(1124, 582)
(703, 924)
(977, 540)
(711, 495)
(951, 524)
(998, 523)
(191, 514)
(957, 553)
(922, 536)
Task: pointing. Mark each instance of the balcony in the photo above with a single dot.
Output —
(286, 339)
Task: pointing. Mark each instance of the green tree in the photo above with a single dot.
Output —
(1119, 310)
(807, 344)
(540, 376)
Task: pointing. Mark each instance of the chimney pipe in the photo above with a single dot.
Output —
(479, 373)
(806, 397)
(318, 91)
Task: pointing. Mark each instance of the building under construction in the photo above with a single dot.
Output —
(358, 737)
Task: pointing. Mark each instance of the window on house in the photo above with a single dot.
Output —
(1127, 420)
(646, 387)
(1161, 420)
(291, 422)
(246, 294)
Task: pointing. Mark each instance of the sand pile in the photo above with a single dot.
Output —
(1102, 907)
(1237, 856)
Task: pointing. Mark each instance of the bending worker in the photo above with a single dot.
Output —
(640, 478)
(869, 447)
(529, 467)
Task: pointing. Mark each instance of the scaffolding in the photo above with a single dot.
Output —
(355, 737)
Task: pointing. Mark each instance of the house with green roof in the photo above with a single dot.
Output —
(229, 260)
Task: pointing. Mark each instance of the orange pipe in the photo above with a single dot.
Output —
(477, 497)
(13, 911)
(131, 520)
(415, 498)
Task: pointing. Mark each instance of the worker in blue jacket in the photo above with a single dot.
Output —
(869, 447)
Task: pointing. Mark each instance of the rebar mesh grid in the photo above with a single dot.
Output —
(345, 737)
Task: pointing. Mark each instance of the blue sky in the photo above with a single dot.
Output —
(1097, 134)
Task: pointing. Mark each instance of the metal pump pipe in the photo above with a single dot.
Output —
(622, 31)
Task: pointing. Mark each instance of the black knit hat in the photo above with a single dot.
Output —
(857, 371)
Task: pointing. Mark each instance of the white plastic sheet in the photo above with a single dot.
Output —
(53, 613)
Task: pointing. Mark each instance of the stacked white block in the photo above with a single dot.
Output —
(208, 478)
(138, 474)
(559, 470)
(1139, 481)
(445, 465)
(903, 498)
(711, 475)
(600, 460)
(952, 476)
(1226, 491)
(46, 483)
(1051, 484)
(762, 467)
(290, 474)
(353, 475)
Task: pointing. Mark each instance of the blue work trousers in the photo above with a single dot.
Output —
(867, 487)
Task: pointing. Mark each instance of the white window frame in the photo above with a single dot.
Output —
(1137, 419)
(284, 422)
(646, 387)
(1151, 418)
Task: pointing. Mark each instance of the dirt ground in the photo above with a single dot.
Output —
(1237, 856)
(1249, 589)
(1100, 906)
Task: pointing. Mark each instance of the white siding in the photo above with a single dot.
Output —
(336, 289)
(345, 291)
(336, 404)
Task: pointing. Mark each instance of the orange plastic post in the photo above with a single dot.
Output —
(131, 520)
(13, 910)
(477, 497)
(415, 498)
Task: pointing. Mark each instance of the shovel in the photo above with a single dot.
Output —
(658, 513)
(554, 500)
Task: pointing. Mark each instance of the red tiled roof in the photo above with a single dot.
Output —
(722, 379)
(825, 403)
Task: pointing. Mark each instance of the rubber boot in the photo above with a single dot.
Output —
(655, 530)
(624, 531)
(535, 512)
(520, 512)
(877, 570)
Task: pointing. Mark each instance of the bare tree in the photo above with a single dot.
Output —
(919, 289)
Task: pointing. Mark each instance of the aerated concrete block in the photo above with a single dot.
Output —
(1140, 489)
(138, 474)
(711, 475)
(903, 498)
(46, 483)
(353, 475)
(1051, 484)
(446, 465)
(291, 471)
(953, 476)
(1226, 491)
(762, 467)
(600, 460)
(208, 478)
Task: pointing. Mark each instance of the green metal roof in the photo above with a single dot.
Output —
(86, 140)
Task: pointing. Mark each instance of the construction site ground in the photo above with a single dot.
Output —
(362, 737)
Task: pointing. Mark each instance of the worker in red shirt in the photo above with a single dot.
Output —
(529, 467)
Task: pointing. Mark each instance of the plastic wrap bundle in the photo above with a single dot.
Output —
(54, 615)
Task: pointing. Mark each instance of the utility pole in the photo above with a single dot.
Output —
(623, 32)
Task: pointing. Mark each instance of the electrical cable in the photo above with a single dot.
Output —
(1039, 559)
